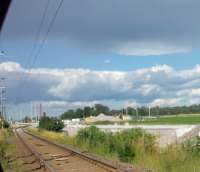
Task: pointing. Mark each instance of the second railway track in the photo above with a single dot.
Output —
(57, 158)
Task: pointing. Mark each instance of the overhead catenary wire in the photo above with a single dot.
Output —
(34, 47)
(48, 31)
(46, 36)
(39, 49)
(38, 33)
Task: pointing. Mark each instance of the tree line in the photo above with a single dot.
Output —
(139, 111)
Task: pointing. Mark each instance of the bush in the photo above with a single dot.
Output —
(193, 146)
(124, 143)
(6, 124)
(51, 124)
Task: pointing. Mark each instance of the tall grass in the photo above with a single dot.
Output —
(8, 151)
(134, 146)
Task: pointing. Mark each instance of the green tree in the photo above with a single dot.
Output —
(27, 119)
(79, 113)
(99, 108)
(51, 124)
(88, 111)
(131, 111)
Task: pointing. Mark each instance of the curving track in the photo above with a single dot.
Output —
(57, 158)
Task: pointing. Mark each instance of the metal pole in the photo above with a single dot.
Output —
(136, 113)
(2, 98)
(149, 111)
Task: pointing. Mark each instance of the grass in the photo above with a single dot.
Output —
(173, 120)
(190, 119)
(174, 158)
(7, 150)
(62, 138)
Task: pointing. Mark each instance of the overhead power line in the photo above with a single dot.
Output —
(35, 43)
(37, 36)
(48, 31)
(39, 49)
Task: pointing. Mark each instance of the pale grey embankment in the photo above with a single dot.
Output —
(166, 134)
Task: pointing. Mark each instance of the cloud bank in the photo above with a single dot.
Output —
(159, 85)
(129, 27)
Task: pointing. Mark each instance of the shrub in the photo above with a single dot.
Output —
(124, 143)
(51, 124)
(6, 124)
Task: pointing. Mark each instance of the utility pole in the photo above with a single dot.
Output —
(40, 110)
(136, 110)
(3, 98)
(149, 111)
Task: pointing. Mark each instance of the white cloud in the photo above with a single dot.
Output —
(160, 84)
(166, 102)
(65, 105)
(149, 49)
(10, 66)
(131, 103)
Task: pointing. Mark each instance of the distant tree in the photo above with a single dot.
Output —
(131, 111)
(143, 111)
(6, 124)
(88, 111)
(79, 113)
(68, 114)
(52, 124)
(99, 108)
(27, 119)
(115, 112)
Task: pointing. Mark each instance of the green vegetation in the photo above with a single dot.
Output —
(178, 119)
(86, 111)
(134, 146)
(142, 111)
(51, 124)
(4, 124)
(124, 144)
(7, 150)
(189, 119)
(26, 119)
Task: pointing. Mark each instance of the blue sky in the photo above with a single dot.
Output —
(57, 54)
(119, 53)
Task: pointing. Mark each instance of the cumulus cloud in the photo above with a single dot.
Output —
(129, 27)
(65, 105)
(157, 85)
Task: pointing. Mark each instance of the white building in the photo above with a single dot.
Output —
(126, 117)
(102, 117)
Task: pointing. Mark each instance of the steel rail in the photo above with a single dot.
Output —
(42, 162)
(96, 160)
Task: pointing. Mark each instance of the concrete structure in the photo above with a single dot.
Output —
(72, 121)
(166, 134)
(66, 121)
(126, 117)
(101, 117)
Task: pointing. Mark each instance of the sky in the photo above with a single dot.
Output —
(115, 52)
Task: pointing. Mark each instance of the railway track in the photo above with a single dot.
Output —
(54, 157)
(26, 157)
